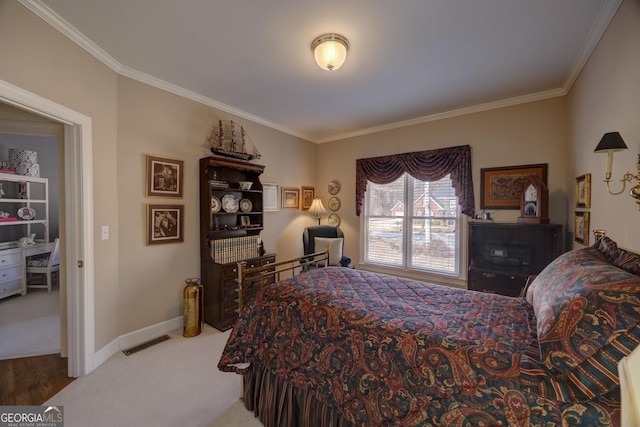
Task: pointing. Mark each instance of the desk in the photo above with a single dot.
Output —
(13, 276)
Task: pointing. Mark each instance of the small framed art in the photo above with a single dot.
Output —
(165, 224)
(290, 197)
(583, 191)
(270, 197)
(164, 177)
(308, 193)
(581, 227)
(245, 221)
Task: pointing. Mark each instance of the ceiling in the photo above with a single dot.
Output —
(410, 61)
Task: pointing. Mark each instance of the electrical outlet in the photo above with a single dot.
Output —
(105, 232)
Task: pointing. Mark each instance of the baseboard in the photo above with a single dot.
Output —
(135, 337)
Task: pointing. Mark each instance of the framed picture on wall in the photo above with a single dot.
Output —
(165, 224)
(290, 198)
(308, 193)
(583, 191)
(270, 197)
(581, 227)
(164, 177)
(501, 187)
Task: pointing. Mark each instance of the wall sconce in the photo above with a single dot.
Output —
(330, 51)
(317, 208)
(610, 143)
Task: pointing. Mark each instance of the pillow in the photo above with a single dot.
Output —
(588, 316)
(619, 257)
(335, 248)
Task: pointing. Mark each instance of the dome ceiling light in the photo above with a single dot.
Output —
(330, 51)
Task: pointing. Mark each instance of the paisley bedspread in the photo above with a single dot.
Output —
(386, 351)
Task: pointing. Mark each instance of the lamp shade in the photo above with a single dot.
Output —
(611, 141)
(317, 207)
(330, 51)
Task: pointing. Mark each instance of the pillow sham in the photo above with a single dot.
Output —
(588, 316)
(335, 248)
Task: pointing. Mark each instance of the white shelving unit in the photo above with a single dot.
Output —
(36, 196)
(12, 256)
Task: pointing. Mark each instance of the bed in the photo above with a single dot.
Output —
(341, 347)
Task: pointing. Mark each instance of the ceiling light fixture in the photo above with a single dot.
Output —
(330, 51)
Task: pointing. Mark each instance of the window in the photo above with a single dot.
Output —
(412, 224)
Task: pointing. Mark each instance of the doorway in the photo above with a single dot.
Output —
(77, 223)
(32, 324)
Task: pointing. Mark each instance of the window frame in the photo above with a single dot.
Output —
(406, 267)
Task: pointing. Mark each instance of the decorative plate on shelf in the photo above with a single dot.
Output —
(333, 220)
(246, 205)
(230, 203)
(334, 204)
(26, 213)
(334, 187)
(216, 204)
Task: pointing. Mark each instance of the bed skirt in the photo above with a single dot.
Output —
(279, 404)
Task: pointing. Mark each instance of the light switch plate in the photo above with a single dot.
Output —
(105, 232)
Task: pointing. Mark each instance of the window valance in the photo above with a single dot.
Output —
(430, 165)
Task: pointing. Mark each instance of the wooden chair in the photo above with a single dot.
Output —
(45, 266)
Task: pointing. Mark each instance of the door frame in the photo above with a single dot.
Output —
(78, 214)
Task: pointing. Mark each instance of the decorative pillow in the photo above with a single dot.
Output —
(335, 248)
(588, 317)
(619, 257)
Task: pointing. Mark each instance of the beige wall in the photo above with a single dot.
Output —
(40, 59)
(151, 121)
(141, 285)
(524, 134)
(606, 97)
(136, 285)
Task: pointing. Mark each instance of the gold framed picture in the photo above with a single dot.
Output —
(583, 191)
(581, 227)
(164, 177)
(290, 197)
(165, 224)
(308, 193)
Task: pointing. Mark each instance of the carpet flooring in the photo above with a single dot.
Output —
(173, 383)
(30, 324)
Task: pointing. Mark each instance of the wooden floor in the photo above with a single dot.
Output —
(32, 380)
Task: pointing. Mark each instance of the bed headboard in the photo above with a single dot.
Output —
(252, 279)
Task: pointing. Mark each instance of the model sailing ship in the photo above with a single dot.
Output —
(230, 140)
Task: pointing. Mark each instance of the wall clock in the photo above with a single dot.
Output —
(534, 202)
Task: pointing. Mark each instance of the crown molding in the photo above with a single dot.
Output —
(60, 24)
(185, 93)
(538, 96)
(52, 18)
(597, 31)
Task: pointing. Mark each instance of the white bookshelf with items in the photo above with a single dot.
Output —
(24, 202)
(24, 205)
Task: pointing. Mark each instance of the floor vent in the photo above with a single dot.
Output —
(146, 344)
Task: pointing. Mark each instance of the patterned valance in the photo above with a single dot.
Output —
(430, 165)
